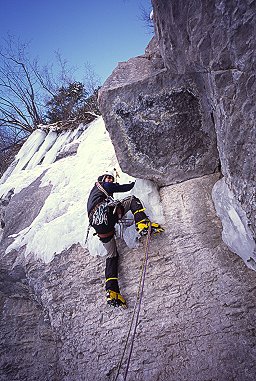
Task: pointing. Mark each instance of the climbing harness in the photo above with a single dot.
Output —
(136, 310)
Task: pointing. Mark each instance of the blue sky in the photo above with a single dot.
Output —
(101, 32)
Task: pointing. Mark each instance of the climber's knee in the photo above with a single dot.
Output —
(111, 248)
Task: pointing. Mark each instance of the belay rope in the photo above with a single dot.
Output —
(136, 311)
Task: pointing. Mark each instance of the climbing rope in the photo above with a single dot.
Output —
(136, 310)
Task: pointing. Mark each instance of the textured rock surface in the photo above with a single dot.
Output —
(28, 345)
(4, 201)
(197, 319)
(29, 348)
(161, 126)
(236, 130)
(218, 38)
(204, 36)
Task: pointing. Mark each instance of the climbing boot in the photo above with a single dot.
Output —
(143, 226)
(156, 228)
(115, 299)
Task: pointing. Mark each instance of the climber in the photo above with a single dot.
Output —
(104, 212)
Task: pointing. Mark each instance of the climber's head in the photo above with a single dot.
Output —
(107, 177)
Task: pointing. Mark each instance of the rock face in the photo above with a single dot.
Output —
(28, 344)
(161, 127)
(29, 349)
(164, 116)
(218, 38)
(236, 131)
(167, 112)
(200, 36)
(197, 311)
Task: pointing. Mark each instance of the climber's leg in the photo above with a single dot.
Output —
(114, 298)
(142, 221)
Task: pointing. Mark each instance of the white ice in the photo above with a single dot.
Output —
(62, 139)
(28, 149)
(40, 154)
(63, 219)
(236, 232)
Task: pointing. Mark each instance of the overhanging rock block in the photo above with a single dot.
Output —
(161, 125)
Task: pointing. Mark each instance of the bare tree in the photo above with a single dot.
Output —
(91, 80)
(147, 17)
(27, 88)
(20, 90)
(10, 143)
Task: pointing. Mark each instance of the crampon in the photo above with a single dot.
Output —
(142, 227)
(114, 299)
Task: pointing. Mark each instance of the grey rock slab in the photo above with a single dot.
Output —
(161, 126)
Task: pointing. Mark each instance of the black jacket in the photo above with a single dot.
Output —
(96, 196)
